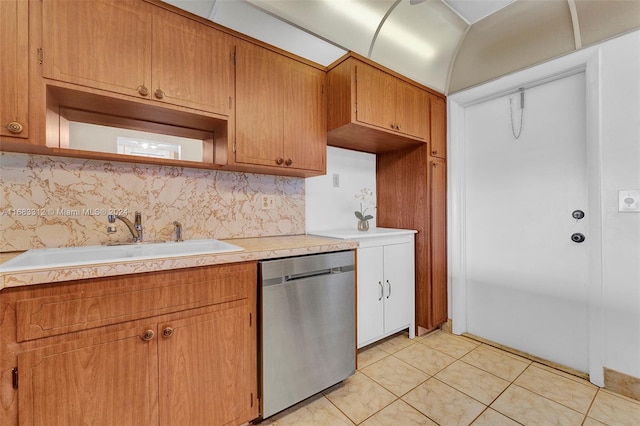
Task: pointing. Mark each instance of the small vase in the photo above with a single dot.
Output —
(363, 225)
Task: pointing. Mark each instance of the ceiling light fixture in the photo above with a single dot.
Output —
(359, 12)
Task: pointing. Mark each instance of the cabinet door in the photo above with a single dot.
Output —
(399, 281)
(102, 379)
(370, 294)
(412, 110)
(438, 241)
(104, 44)
(14, 68)
(192, 63)
(305, 117)
(208, 369)
(375, 97)
(259, 113)
(438, 128)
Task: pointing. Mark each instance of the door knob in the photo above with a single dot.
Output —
(577, 214)
(577, 237)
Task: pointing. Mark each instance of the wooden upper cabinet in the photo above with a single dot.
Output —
(438, 127)
(192, 63)
(280, 111)
(104, 44)
(372, 110)
(14, 68)
(386, 101)
(305, 117)
(134, 48)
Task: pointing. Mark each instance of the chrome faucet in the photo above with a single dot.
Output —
(135, 228)
(178, 226)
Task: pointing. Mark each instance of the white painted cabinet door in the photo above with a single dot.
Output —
(398, 286)
(370, 294)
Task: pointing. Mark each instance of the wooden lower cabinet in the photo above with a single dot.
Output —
(192, 361)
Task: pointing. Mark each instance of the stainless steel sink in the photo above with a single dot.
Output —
(89, 255)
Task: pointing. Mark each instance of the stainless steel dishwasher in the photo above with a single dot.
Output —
(307, 328)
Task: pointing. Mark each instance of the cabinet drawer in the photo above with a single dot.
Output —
(114, 300)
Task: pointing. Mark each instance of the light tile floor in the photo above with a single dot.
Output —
(443, 379)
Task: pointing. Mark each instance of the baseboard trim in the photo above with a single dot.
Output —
(621, 383)
(530, 357)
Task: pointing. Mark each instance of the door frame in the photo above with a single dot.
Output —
(587, 61)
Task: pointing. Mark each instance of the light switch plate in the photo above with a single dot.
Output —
(629, 200)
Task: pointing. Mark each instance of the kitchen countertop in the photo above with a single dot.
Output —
(254, 249)
(354, 234)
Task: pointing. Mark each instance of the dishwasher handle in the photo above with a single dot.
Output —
(319, 273)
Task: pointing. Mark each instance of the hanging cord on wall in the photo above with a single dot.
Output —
(513, 129)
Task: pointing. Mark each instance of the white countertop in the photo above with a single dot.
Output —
(354, 234)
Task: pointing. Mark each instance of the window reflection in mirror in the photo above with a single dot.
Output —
(98, 138)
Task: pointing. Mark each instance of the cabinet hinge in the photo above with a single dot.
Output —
(250, 320)
(230, 102)
(356, 107)
(232, 56)
(40, 56)
(14, 377)
(234, 147)
(252, 399)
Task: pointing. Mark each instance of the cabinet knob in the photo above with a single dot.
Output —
(147, 335)
(397, 127)
(167, 332)
(393, 126)
(434, 152)
(143, 90)
(288, 162)
(279, 161)
(14, 127)
(159, 94)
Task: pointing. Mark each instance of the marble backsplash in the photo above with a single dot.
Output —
(59, 202)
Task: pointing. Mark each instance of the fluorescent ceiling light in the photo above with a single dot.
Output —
(360, 13)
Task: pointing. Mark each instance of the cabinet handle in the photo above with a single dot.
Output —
(381, 290)
(389, 284)
(14, 127)
(143, 90)
(288, 162)
(279, 161)
(159, 94)
(167, 332)
(148, 335)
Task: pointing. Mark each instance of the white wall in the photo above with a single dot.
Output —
(328, 207)
(613, 122)
(620, 133)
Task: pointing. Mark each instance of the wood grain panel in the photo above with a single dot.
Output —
(407, 208)
(148, 295)
(192, 63)
(375, 97)
(102, 378)
(341, 95)
(207, 376)
(104, 44)
(259, 113)
(438, 127)
(412, 110)
(305, 112)
(438, 240)
(14, 66)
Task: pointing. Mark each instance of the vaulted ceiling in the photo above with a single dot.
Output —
(447, 45)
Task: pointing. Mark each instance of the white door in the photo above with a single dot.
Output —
(370, 294)
(398, 285)
(526, 277)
